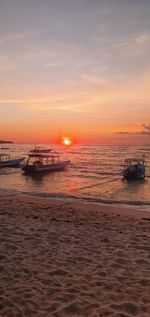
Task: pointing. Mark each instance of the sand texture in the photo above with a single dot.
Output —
(66, 259)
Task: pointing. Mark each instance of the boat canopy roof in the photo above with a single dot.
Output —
(134, 160)
(39, 149)
(42, 155)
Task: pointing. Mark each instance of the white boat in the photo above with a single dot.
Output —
(6, 161)
(40, 162)
(39, 149)
(134, 169)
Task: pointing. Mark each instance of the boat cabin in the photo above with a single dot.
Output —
(39, 160)
(133, 162)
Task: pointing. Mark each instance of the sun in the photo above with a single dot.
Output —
(67, 141)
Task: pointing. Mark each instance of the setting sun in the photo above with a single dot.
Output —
(67, 141)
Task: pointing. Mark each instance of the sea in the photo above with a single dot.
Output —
(94, 175)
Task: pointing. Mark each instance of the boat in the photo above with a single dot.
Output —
(39, 149)
(6, 161)
(134, 169)
(42, 162)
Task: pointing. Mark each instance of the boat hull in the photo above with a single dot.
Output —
(130, 178)
(30, 169)
(11, 163)
(130, 175)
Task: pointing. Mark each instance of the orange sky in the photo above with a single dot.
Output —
(81, 71)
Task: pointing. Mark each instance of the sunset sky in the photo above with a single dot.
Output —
(77, 68)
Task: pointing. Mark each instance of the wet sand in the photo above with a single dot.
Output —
(72, 259)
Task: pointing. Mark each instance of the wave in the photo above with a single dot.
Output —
(62, 196)
(144, 149)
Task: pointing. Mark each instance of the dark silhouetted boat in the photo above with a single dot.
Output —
(6, 161)
(134, 169)
(42, 162)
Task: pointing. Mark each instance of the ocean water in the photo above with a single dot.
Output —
(94, 175)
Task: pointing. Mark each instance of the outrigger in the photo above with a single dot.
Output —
(40, 162)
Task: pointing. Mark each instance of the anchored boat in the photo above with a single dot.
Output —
(6, 161)
(41, 162)
(134, 169)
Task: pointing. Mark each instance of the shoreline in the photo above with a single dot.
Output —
(145, 206)
(65, 259)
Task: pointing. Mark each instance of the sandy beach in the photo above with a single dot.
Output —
(60, 258)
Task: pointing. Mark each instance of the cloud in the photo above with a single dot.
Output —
(136, 45)
(53, 64)
(142, 38)
(133, 133)
(125, 132)
(142, 132)
(7, 63)
(98, 97)
(17, 36)
(96, 80)
(147, 127)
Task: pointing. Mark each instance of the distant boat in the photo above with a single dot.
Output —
(134, 169)
(6, 161)
(40, 162)
(38, 149)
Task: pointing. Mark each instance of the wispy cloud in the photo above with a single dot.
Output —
(18, 101)
(53, 64)
(135, 45)
(18, 36)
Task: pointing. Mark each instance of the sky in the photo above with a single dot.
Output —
(75, 68)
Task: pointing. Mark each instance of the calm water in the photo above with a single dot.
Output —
(94, 174)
